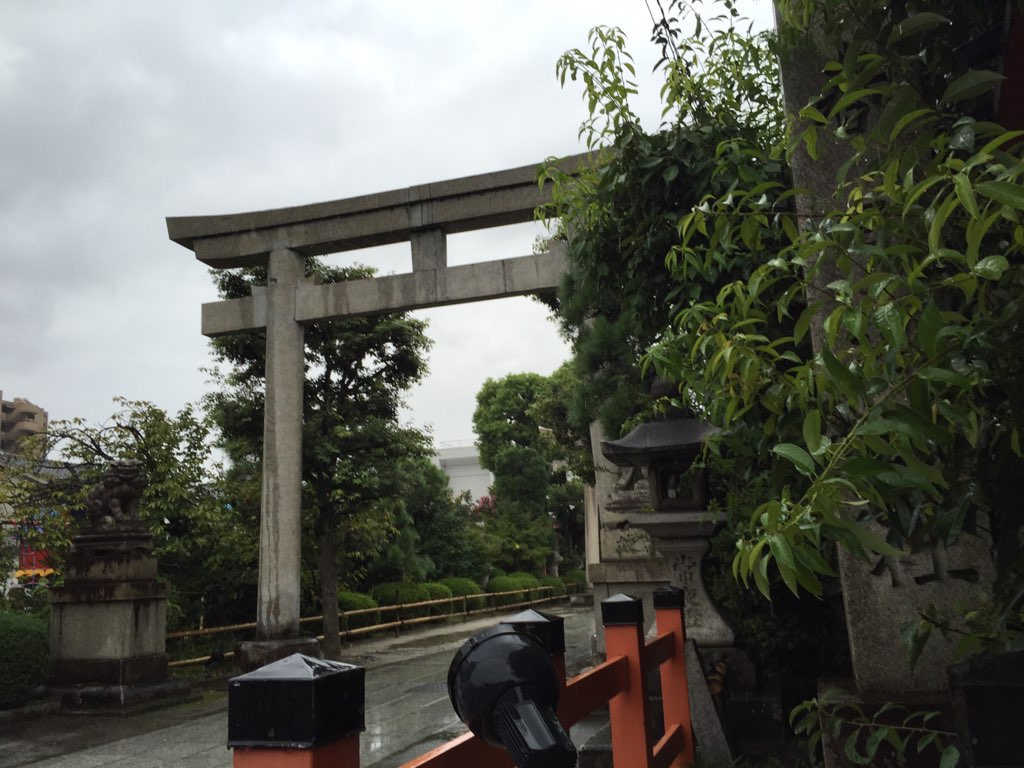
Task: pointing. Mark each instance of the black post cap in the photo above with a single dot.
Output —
(297, 702)
(546, 628)
(622, 610)
(669, 597)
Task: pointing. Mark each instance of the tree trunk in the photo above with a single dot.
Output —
(328, 546)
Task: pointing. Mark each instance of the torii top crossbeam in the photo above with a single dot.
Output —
(423, 215)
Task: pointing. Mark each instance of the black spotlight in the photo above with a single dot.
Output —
(504, 687)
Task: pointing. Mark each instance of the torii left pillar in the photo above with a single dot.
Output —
(277, 618)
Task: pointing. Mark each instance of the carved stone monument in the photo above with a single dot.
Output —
(107, 625)
(881, 598)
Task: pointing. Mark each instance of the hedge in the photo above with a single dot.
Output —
(514, 581)
(528, 581)
(463, 587)
(400, 593)
(439, 591)
(24, 657)
(576, 577)
(356, 601)
(556, 584)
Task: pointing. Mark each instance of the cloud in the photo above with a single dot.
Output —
(119, 114)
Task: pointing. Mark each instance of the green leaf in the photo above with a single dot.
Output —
(972, 83)
(874, 740)
(761, 576)
(781, 551)
(884, 426)
(950, 757)
(909, 118)
(811, 113)
(872, 542)
(945, 376)
(928, 326)
(803, 322)
(849, 384)
(798, 456)
(851, 98)
(1004, 192)
(810, 137)
(755, 553)
(890, 323)
(915, 25)
(813, 560)
(812, 430)
(850, 749)
(670, 173)
(991, 267)
(941, 215)
(965, 194)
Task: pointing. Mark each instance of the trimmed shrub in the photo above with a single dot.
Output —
(462, 587)
(527, 581)
(439, 591)
(356, 601)
(24, 657)
(512, 582)
(400, 593)
(556, 584)
(576, 578)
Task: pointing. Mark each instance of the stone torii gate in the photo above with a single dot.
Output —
(281, 239)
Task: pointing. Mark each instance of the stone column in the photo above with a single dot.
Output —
(277, 611)
(281, 506)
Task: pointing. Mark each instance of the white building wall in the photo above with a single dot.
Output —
(462, 465)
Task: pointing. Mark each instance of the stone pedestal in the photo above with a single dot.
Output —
(704, 624)
(107, 624)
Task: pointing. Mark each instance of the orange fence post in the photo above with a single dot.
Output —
(623, 620)
(675, 695)
(298, 712)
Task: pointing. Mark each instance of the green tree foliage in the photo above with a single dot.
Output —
(617, 299)
(558, 410)
(535, 415)
(908, 413)
(503, 415)
(521, 522)
(449, 539)
(357, 371)
(903, 416)
(204, 546)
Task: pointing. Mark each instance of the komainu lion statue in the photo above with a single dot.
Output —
(114, 503)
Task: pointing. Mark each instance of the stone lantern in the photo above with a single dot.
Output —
(676, 517)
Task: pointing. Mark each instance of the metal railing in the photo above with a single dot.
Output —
(468, 606)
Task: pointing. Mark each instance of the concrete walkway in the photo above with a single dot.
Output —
(407, 710)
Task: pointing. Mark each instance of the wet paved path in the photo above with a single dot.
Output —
(407, 710)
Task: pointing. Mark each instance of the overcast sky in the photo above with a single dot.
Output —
(118, 114)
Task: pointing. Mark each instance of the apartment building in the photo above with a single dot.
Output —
(19, 418)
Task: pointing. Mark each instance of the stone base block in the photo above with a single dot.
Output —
(254, 654)
(125, 698)
(638, 578)
(135, 670)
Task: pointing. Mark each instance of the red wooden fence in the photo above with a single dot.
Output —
(620, 682)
